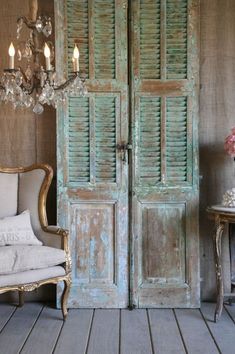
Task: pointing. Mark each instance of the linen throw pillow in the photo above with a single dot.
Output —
(17, 230)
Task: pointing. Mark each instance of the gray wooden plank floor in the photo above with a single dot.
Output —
(40, 329)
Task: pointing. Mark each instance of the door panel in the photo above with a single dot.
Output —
(92, 178)
(95, 242)
(163, 228)
(164, 81)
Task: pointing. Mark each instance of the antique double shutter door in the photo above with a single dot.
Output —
(128, 152)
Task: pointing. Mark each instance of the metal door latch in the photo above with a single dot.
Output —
(123, 149)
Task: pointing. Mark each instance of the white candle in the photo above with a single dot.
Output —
(47, 54)
(75, 59)
(11, 52)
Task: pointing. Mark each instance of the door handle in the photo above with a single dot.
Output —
(123, 149)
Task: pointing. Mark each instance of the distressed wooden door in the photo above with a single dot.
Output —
(92, 176)
(162, 258)
(164, 85)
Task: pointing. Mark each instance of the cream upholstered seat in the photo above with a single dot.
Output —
(26, 267)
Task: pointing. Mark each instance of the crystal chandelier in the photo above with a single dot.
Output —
(37, 84)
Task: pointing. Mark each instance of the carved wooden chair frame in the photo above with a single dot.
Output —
(53, 231)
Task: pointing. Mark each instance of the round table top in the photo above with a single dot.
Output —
(222, 208)
(224, 212)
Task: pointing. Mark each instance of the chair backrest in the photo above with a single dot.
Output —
(25, 188)
(8, 194)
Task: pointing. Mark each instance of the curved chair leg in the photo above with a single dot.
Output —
(64, 298)
(21, 298)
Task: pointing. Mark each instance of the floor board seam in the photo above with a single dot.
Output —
(150, 331)
(27, 337)
(89, 335)
(120, 331)
(57, 340)
(181, 334)
(208, 327)
(13, 312)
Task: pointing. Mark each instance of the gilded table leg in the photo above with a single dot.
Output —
(218, 263)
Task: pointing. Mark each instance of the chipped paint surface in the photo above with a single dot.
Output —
(93, 183)
(92, 187)
(165, 245)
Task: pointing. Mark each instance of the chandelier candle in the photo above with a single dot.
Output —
(47, 54)
(75, 59)
(11, 52)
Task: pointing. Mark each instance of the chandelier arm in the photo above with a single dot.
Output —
(27, 22)
(66, 83)
(35, 47)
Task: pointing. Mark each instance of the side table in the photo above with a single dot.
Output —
(222, 216)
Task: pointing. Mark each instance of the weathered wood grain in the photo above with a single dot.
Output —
(45, 333)
(75, 332)
(104, 336)
(164, 106)
(16, 331)
(164, 251)
(165, 332)
(135, 336)
(195, 333)
(92, 176)
(223, 331)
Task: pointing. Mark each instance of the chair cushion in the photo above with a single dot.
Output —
(31, 276)
(17, 230)
(20, 258)
(8, 193)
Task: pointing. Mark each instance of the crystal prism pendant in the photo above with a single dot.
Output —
(28, 73)
(38, 108)
(19, 27)
(18, 78)
(19, 55)
(27, 51)
(47, 30)
(39, 25)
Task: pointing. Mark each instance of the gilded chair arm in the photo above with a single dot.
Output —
(46, 235)
(56, 230)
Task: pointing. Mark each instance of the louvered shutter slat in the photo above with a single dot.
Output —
(78, 32)
(79, 145)
(150, 143)
(176, 39)
(149, 39)
(104, 39)
(105, 137)
(176, 139)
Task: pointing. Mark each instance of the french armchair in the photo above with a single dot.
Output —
(26, 189)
